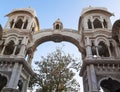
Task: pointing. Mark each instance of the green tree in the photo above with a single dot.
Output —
(55, 72)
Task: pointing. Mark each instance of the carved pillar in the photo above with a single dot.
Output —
(3, 49)
(109, 51)
(25, 85)
(92, 81)
(88, 48)
(97, 51)
(22, 25)
(13, 25)
(85, 24)
(92, 22)
(23, 46)
(14, 50)
(12, 85)
(116, 51)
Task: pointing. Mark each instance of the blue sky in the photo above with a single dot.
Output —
(48, 11)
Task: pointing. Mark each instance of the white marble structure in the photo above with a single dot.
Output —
(96, 39)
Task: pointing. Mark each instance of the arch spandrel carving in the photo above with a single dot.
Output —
(90, 38)
(58, 36)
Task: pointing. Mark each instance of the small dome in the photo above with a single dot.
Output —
(90, 8)
(58, 25)
(29, 10)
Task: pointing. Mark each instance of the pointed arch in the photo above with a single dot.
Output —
(19, 23)
(9, 48)
(97, 23)
(57, 26)
(3, 82)
(110, 85)
(103, 49)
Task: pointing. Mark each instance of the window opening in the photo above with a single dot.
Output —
(18, 48)
(57, 26)
(19, 24)
(110, 85)
(112, 49)
(93, 49)
(89, 24)
(103, 50)
(9, 48)
(3, 82)
(97, 23)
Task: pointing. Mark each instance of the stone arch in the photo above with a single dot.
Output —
(97, 23)
(103, 46)
(3, 81)
(19, 23)
(9, 48)
(13, 38)
(60, 38)
(116, 31)
(103, 49)
(112, 84)
(101, 39)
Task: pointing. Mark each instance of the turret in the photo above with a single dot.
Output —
(57, 25)
(23, 19)
(95, 26)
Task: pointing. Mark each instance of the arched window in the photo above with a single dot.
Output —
(11, 23)
(3, 82)
(110, 85)
(97, 23)
(105, 23)
(57, 26)
(25, 24)
(93, 48)
(9, 48)
(103, 49)
(112, 49)
(19, 24)
(89, 24)
(18, 48)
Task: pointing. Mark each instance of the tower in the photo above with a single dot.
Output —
(96, 39)
(15, 55)
(101, 66)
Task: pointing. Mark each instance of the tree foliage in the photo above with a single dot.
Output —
(55, 72)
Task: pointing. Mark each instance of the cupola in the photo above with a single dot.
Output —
(93, 18)
(57, 25)
(24, 19)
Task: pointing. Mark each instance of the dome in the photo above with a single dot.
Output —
(29, 10)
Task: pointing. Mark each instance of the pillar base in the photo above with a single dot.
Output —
(9, 90)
